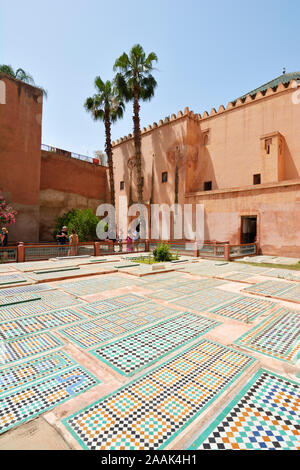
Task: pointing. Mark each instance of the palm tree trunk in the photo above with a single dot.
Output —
(137, 143)
(108, 149)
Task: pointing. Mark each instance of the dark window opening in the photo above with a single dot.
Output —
(256, 179)
(207, 186)
(164, 177)
(122, 185)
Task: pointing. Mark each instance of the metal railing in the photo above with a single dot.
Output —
(66, 153)
(243, 250)
(8, 254)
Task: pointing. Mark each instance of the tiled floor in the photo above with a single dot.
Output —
(20, 405)
(206, 299)
(109, 326)
(277, 336)
(49, 301)
(245, 309)
(22, 348)
(136, 352)
(150, 411)
(151, 322)
(264, 415)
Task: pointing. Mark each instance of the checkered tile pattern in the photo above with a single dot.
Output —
(135, 352)
(237, 276)
(93, 332)
(284, 274)
(164, 294)
(110, 305)
(37, 323)
(149, 412)
(206, 299)
(18, 299)
(93, 286)
(34, 369)
(192, 286)
(277, 336)
(51, 300)
(11, 279)
(37, 398)
(25, 347)
(270, 288)
(24, 289)
(264, 416)
(293, 295)
(246, 309)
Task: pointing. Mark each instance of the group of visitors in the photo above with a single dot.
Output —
(132, 236)
(63, 238)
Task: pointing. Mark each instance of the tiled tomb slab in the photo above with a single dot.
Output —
(134, 353)
(51, 300)
(284, 274)
(17, 376)
(24, 289)
(206, 299)
(277, 336)
(111, 304)
(22, 405)
(92, 286)
(238, 276)
(264, 415)
(37, 323)
(31, 345)
(93, 332)
(149, 412)
(270, 288)
(18, 299)
(10, 279)
(246, 309)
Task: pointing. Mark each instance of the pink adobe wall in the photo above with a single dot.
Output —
(20, 155)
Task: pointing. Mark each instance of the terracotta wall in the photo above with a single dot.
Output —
(20, 154)
(67, 183)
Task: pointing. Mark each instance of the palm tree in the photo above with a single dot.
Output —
(21, 75)
(107, 106)
(135, 82)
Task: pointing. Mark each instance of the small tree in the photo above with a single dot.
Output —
(7, 213)
(84, 222)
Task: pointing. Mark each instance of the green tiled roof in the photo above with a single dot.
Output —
(285, 79)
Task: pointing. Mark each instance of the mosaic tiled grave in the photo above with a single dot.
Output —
(108, 326)
(37, 323)
(277, 336)
(34, 369)
(49, 301)
(150, 411)
(206, 299)
(293, 294)
(164, 294)
(22, 405)
(31, 345)
(246, 309)
(238, 276)
(136, 352)
(270, 288)
(264, 415)
(11, 279)
(191, 287)
(92, 286)
(22, 289)
(111, 304)
(18, 299)
(284, 274)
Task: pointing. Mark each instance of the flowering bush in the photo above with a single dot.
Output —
(7, 214)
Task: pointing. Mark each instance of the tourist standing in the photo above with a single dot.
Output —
(4, 241)
(129, 243)
(62, 238)
(73, 241)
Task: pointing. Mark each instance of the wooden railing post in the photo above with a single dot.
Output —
(20, 253)
(96, 249)
(227, 251)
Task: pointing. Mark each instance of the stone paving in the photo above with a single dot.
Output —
(192, 357)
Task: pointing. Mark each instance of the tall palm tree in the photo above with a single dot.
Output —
(107, 106)
(135, 82)
(21, 75)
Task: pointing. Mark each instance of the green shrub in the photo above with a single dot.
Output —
(84, 222)
(162, 253)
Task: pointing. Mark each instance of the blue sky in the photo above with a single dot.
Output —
(209, 53)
